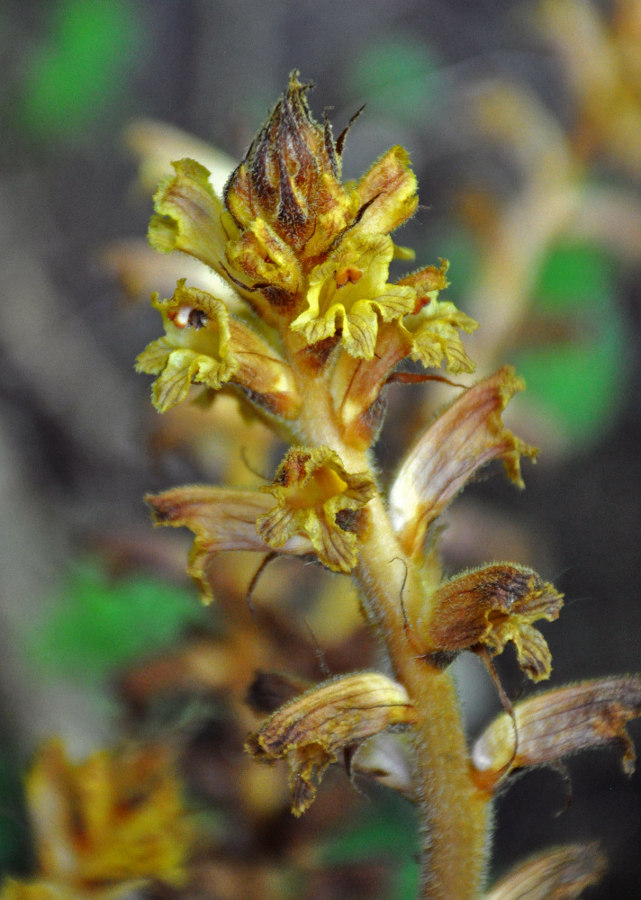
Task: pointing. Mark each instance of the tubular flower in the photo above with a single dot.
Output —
(490, 606)
(221, 519)
(561, 872)
(555, 724)
(318, 499)
(466, 436)
(204, 345)
(348, 290)
(333, 717)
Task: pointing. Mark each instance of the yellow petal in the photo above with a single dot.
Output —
(348, 293)
(195, 350)
(434, 324)
(387, 193)
(189, 216)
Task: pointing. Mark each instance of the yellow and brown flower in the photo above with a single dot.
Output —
(318, 499)
(487, 608)
(105, 825)
(349, 292)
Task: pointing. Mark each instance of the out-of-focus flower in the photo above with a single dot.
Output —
(105, 825)
(562, 873)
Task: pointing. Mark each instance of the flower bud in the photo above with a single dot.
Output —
(289, 176)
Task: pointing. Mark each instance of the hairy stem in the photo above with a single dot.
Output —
(454, 814)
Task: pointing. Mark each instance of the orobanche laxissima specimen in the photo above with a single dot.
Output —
(309, 334)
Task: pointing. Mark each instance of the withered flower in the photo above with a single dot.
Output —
(465, 437)
(331, 718)
(490, 606)
(556, 724)
(318, 499)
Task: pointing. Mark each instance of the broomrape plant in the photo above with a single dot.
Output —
(309, 331)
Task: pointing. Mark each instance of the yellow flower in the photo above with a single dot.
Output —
(316, 498)
(434, 324)
(348, 292)
(204, 345)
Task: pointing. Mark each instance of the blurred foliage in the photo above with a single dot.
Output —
(14, 832)
(100, 624)
(385, 829)
(397, 74)
(579, 378)
(78, 69)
